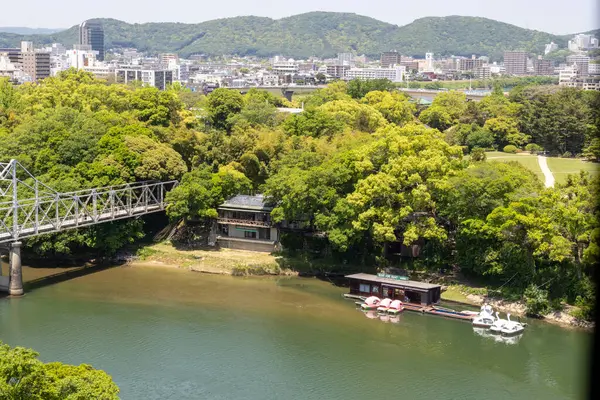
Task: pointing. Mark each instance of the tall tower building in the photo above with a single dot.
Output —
(515, 62)
(92, 33)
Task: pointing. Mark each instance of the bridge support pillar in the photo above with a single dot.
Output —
(15, 287)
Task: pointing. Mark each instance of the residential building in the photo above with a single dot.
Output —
(582, 62)
(482, 72)
(550, 48)
(337, 71)
(81, 56)
(92, 33)
(583, 42)
(594, 69)
(34, 63)
(542, 67)
(285, 67)
(390, 58)
(101, 70)
(394, 73)
(515, 62)
(7, 68)
(345, 59)
(582, 82)
(159, 78)
(469, 64)
(567, 74)
(166, 57)
(244, 222)
(410, 65)
(13, 54)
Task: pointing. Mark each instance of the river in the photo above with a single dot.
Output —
(172, 334)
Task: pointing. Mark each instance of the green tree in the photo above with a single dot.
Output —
(221, 105)
(23, 376)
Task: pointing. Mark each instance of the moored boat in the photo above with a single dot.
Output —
(371, 303)
(512, 328)
(395, 307)
(485, 318)
(498, 324)
(384, 305)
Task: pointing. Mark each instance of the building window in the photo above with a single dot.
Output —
(249, 234)
(364, 288)
(375, 289)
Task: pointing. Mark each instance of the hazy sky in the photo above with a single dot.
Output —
(555, 16)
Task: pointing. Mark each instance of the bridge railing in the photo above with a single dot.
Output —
(29, 208)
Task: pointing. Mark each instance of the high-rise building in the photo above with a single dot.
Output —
(34, 63)
(581, 61)
(469, 64)
(515, 62)
(92, 33)
(389, 58)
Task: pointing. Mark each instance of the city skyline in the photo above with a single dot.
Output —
(547, 16)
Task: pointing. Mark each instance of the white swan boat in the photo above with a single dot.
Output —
(511, 328)
(485, 318)
(498, 324)
(396, 307)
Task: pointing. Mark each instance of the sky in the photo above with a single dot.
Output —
(554, 16)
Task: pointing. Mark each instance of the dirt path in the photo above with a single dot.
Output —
(547, 173)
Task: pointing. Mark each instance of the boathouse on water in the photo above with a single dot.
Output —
(394, 287)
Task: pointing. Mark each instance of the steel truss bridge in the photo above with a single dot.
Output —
(29, 208)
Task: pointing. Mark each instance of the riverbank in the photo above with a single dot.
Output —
(210, 260)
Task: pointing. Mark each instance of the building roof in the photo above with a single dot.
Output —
(419, 286)
(246, 202)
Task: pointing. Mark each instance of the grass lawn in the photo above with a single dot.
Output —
(561, 167)
(527, 160)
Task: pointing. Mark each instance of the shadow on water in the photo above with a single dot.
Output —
(68, 275)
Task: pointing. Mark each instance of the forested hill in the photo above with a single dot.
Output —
(320, 34)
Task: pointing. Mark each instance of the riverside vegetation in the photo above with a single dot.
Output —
(362, 165)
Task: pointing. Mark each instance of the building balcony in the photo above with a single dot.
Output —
(244, 222)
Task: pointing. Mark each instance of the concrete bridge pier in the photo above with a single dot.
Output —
(13, 283)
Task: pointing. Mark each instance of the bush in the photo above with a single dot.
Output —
(146, 252)
(478, 154)
(510, 149)
(536, 300)
(567, 154)
(534, 148)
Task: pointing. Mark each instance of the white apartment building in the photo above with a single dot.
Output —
(81, 57)
(550, 48)
(7, 69)
(582, 62)
(482, 72)
(394, 73)
(285, 67)
(567, 75)
(594, 69)
(583, 42)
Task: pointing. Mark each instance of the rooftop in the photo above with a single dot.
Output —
(394, 282)
(246, 202)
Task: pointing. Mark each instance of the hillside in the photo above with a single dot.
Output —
(313, 34)
(19, 30)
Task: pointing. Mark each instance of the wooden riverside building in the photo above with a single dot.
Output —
(394, 287)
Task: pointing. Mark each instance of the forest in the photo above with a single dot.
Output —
(362, 165)
(320, 34)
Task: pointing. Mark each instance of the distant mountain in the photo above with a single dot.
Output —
(29, 31)
(320, 34)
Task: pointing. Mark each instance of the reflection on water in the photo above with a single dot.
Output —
(486, 333)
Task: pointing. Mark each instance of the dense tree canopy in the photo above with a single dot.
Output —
(363, 168)
(23, 376)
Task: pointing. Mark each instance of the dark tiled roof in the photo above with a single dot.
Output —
(393, 282)
(243, 201)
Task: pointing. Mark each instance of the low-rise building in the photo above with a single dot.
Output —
(394, 73)
(482, 72)
(244, 222)
(582, 82)
(337, 71)
(159, 78)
